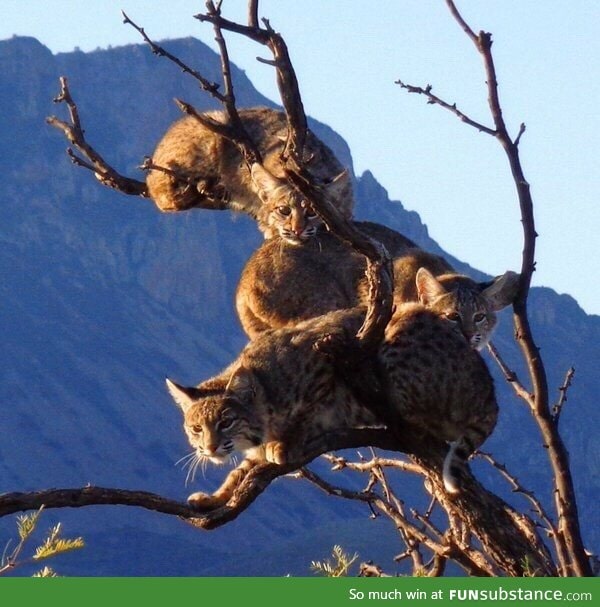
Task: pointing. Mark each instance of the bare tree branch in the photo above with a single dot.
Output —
(565, 499)
(210, 87)
(234, 130)
(558, 407)
(510, 376)
(537, 508)
(256, 481)
(287, 82)
(75, 134)
(507, 536)
(435, 100)
(465, 560)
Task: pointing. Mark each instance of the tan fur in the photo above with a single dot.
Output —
(282, 285)
(406, 267)
(271, 403)
(434, 380)
(280, 395)
(470, 306)
(212, 168)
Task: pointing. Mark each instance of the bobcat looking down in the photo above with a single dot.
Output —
(212, 168)
(277, 397)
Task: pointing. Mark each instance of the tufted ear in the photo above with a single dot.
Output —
(183, 397)
(339, 185)
(241, 384)
(264, 181)
(428, 286)
(502, 291)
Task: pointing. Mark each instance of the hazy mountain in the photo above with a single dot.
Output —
(102, 296)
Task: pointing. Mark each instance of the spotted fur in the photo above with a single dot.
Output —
(283, 285)
(205, 170)
(435, 381)
(270, 404)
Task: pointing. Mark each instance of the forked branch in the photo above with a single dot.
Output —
(506, 536)
(451, 107)
(287, 82)
(568, 536)
(234, 129)
(74, 132)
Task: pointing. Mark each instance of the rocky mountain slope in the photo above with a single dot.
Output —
(102, 296)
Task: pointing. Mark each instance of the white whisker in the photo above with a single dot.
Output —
(204, 464)
(187, 457)
(191, 475)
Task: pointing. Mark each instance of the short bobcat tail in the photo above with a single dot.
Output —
(454, 462)
(459, 452)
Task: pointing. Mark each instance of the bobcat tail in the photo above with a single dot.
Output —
(454, 462)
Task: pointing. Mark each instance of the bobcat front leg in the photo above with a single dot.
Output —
(276, 453)
(205, 501)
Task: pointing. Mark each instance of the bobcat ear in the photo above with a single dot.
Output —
(502, 291)
(339, 185)
(183, 397)
(428, 286)
(241, 384)
(264, 182)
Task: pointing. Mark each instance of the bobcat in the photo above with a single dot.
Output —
(469, 306)
(281, 286)
(277, 397)
(280, 395)
(210, 168)
(435, 381)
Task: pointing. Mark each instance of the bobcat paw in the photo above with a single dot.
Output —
(203, 501)
(275, 453)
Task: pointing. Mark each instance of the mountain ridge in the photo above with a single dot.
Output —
(104, 296)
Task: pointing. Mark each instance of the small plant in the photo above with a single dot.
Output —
(337, 566)
(51, 545)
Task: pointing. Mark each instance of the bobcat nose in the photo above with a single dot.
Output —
(211, 448)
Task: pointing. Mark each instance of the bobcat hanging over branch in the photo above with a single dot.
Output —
(232, 159)
(205, 166)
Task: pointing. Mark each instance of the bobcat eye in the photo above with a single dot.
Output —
(310, 213)
(283, 210)
(226, 423)
(479, 317)
(197, 429)
(453, 316)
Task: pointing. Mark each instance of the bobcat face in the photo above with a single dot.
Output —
(285, 212)
(291, 217)
(214, 423)
(468, 314)
(469, 306)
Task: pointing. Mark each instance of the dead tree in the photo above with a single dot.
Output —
(479, 531)
(566, 536)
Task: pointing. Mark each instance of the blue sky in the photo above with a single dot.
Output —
(347, 56)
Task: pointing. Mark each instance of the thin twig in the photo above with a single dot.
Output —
(511, 376)
(518, 488)
(562, 399)
(451, 107)
(206, 85)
